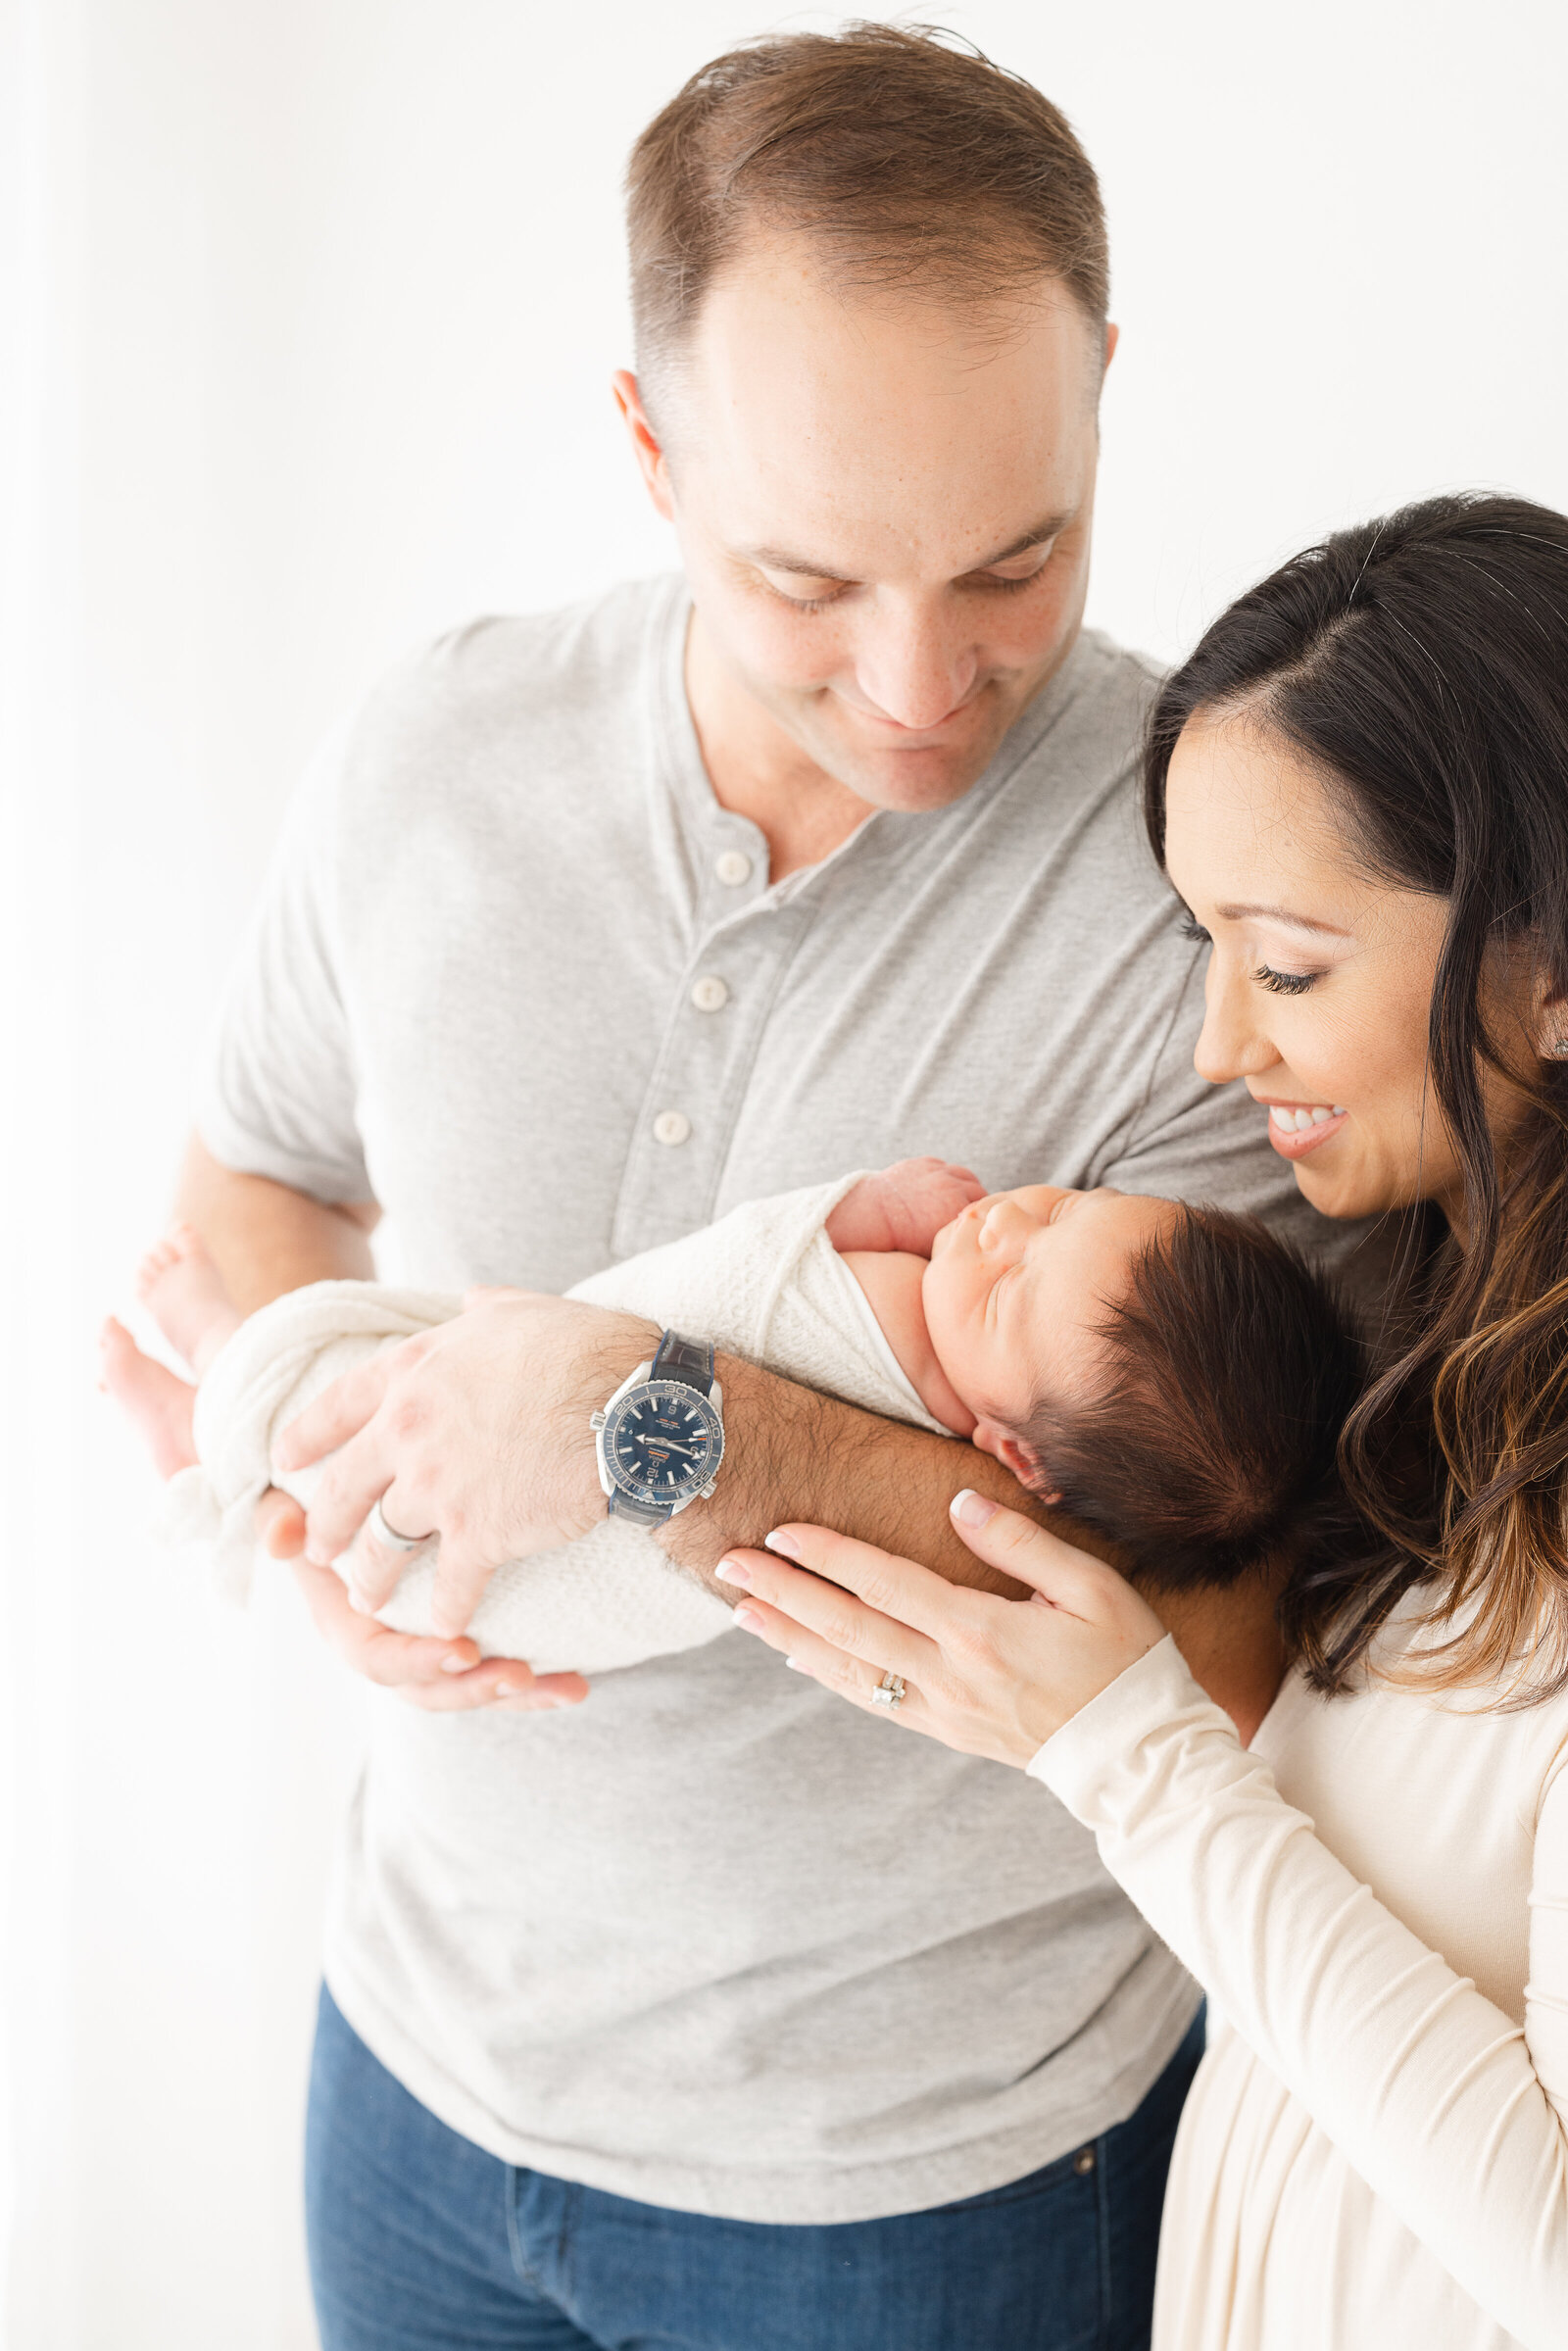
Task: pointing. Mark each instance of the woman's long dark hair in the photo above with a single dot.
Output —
(1421, 663)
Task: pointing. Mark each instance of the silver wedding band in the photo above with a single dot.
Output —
(889, 1692)
(389, 1536)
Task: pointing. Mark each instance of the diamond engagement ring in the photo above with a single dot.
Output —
(889, 1692)
(389, 1536)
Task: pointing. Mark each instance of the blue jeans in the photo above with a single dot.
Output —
(419, 2242)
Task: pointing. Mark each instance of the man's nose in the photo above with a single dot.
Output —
(913, 666)
(1230, 1043)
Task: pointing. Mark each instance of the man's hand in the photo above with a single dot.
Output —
(442, 1677)
(904, 1208)
(476, 1432)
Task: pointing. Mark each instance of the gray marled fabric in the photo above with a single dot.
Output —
(714, 1939)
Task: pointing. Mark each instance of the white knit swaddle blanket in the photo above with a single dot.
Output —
(764, 1282)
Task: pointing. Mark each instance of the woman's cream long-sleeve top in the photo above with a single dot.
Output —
(1375, 1895)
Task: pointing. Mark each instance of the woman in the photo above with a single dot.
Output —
(1359, 784)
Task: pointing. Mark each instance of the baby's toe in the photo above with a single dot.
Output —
(157, 1262)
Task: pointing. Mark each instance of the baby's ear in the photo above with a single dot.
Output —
(1015, 1454)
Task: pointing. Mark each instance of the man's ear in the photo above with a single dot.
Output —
(1022, 1459)
(646, 445)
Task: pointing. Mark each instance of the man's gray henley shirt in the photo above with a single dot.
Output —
(714, 1939)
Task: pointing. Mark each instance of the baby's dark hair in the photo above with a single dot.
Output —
(1212, 1446)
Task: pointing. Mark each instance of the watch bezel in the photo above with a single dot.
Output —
(693, 1480)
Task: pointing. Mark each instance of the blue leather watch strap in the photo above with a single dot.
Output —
(688, 1359)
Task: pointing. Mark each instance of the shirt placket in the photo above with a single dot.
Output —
(746, 936)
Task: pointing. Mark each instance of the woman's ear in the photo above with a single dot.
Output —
(1551, 1023)
(1015, 1454)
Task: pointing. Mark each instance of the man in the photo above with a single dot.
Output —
(696, 2011)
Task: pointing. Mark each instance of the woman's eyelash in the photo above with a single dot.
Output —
(1279, 983)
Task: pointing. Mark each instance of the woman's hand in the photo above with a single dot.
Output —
(987, 1676)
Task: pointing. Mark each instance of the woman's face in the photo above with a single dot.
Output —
(1320, 979)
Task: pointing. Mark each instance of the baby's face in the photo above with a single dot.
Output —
(1017, 1287)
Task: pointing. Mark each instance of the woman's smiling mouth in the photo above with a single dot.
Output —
(1296, 1128)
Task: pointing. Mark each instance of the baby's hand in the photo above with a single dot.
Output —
(904, 1208)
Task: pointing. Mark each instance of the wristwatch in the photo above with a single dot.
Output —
(660, 1438)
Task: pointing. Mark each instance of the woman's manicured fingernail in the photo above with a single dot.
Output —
(452, 1665)
(505, 1689)
(795, 1665)
(972, 1509)
(785, 1544)
(749, 1619)
(730, 1571)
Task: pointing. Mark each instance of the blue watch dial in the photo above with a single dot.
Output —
(663, 1441)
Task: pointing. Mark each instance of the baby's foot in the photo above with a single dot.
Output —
(160, 1404)
(187, 1297)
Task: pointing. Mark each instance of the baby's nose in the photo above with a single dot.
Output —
(1004, 1224)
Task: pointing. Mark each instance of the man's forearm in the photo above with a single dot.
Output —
(267, 1238)
(791, 1453)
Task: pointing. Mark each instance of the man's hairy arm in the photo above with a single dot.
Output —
(479, 1429)
(791, 1453)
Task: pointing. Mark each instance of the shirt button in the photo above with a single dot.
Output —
(671, 1126)
(733, 868)
(709, 994)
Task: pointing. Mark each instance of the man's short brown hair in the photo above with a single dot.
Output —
(906, 159)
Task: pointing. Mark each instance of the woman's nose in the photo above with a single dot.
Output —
(1230, 1043)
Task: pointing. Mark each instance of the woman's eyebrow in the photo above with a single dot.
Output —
(1294, 922)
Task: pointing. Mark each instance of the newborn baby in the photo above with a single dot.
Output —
(1175, 1377)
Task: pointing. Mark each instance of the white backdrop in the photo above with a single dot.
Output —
(314, 303)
